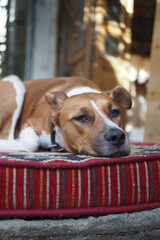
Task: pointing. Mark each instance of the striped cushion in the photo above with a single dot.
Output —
(65, 185)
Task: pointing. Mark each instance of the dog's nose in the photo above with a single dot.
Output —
(115, 136)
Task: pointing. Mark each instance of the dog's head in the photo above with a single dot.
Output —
(91, 123)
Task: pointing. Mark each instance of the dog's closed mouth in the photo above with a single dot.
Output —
(109, 154)
(119, 154)
(113, 155)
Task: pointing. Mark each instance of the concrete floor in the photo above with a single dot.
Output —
(135, 226)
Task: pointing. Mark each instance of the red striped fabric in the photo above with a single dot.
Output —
(115, 185)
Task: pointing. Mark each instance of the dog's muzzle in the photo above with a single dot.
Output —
(115, 137)
(111, 143)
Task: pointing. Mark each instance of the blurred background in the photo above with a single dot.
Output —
(108, 41)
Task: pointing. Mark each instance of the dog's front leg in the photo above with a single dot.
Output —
(29, 139)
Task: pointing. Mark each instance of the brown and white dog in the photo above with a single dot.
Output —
(84, 119)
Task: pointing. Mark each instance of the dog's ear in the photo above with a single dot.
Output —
(120, 96)
(55, 100)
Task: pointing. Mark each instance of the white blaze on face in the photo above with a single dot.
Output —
(108, 122)
(81, 90)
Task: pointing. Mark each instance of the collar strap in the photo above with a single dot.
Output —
(54, 147)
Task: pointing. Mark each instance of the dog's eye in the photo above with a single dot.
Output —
(115, 113)
(81, 118)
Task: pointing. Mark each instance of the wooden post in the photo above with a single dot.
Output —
(152, 128)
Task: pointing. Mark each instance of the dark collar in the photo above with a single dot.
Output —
(54, 147)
